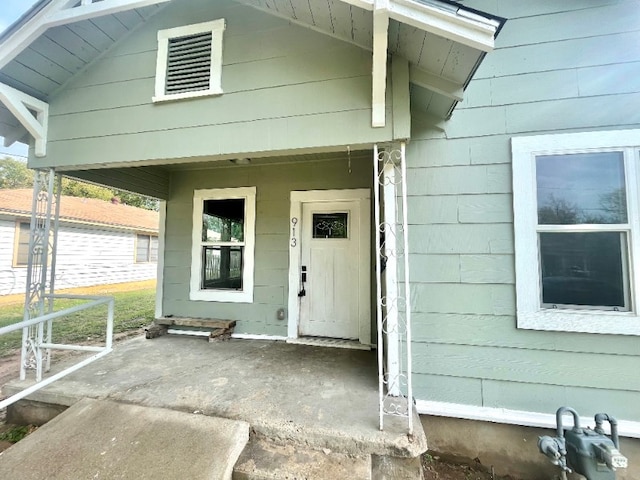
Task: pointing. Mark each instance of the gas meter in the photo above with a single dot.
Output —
(583, 450)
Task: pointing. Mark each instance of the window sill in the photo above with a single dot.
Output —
(221, 296)
(581, 321)
(186, 95)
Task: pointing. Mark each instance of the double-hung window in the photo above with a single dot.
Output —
(146, 248)
(21, 252)
(189, 61)
(223, 238)
(577, 231)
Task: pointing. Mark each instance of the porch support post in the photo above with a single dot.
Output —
(394, 301)
(390, 248)
(379, 295)
(40, 268)
(162, 210)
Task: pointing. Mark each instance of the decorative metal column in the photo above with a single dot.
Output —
(392, 284)
(43, 238)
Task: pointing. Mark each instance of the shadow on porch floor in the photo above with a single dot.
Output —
(297, 394)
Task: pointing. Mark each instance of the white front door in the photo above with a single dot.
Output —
(331, 261)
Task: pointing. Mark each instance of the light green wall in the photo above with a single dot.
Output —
(273, 184)
(285, 87)
(559, 66)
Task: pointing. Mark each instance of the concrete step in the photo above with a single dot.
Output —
(104, 439)
(264, 460)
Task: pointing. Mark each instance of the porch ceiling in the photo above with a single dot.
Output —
(52, 43)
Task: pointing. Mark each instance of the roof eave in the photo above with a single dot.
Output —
(23, 19)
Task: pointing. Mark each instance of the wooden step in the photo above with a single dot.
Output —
(195, 322)
(214, 329)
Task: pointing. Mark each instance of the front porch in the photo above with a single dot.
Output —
(305, 396)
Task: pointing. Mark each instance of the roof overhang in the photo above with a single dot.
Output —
(395, 27)
(53, 13)
(461, 33)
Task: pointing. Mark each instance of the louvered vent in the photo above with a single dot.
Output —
(189, 64)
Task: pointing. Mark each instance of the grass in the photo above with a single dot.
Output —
(16, 433)
(133, 309)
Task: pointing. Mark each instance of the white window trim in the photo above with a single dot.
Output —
(246, 295)
(530, 314)
(216, 28)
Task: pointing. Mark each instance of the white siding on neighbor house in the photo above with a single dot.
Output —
(8, 278)
(559, 67)
(86, 256)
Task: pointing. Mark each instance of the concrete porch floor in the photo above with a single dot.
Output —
(309, 396)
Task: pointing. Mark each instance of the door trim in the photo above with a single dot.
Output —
(295, 252)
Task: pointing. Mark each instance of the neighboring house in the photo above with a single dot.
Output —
(524, 228)
(99, 242)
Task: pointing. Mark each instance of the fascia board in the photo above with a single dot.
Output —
(92, 10)
(465, 29)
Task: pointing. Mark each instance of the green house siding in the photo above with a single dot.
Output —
(285, 87)
(274, 184)
(559, 66)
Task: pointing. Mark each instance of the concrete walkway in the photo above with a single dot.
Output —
(98, 439)
(313, 397)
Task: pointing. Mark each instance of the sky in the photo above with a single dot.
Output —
(10, 10)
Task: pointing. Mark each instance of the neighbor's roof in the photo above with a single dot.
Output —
(83, 210)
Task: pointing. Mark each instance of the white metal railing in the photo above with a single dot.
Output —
(40, 345)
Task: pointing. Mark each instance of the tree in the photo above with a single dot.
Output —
(15, 174)
(557, 211)
(614, 204)
(74, 188)
(139, 201)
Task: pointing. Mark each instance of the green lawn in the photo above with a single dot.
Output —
(133, 309)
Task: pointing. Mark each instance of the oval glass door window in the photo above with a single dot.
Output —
(330, 225)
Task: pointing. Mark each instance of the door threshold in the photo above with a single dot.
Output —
(329, 342)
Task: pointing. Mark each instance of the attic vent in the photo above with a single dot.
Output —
(189, 64)
(189, 61)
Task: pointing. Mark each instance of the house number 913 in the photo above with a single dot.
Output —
(294, 241)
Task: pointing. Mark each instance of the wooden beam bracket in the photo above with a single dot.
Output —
(32, 113)
(436, 84)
